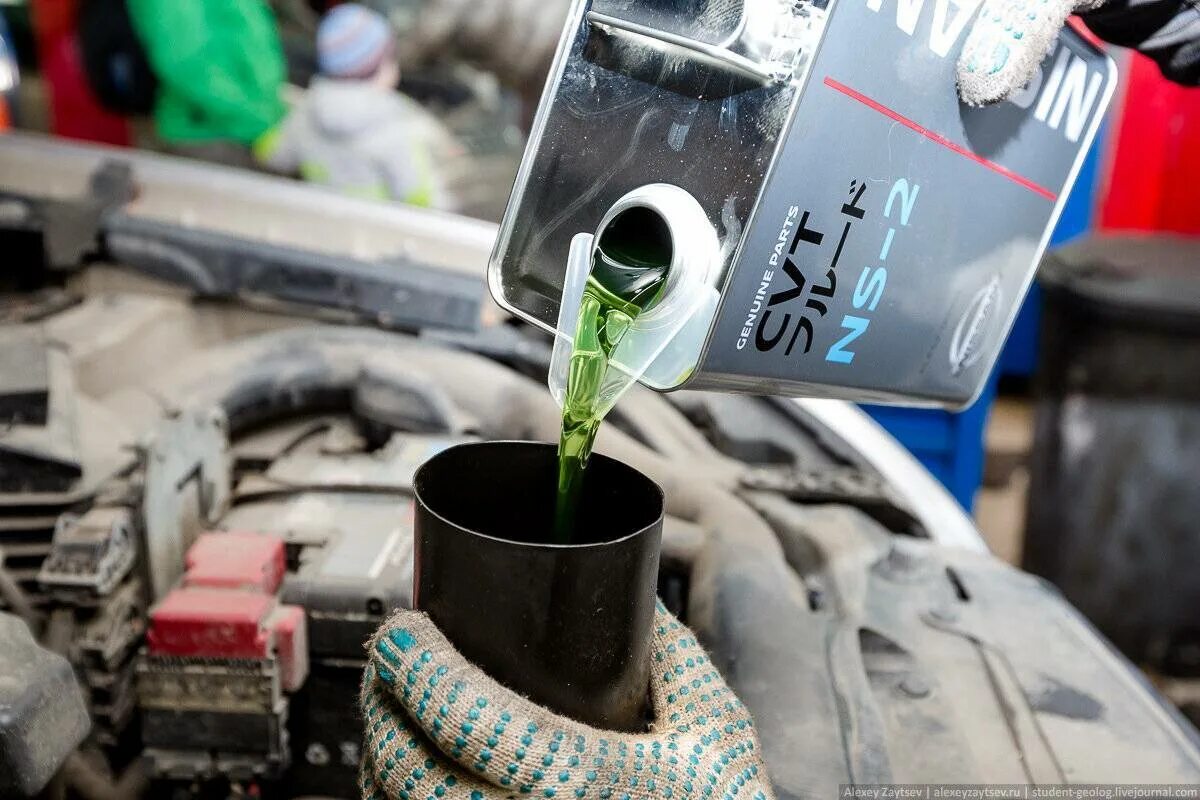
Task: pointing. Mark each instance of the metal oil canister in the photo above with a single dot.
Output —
(843, 225)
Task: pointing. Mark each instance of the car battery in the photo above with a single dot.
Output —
(354, 569)
(325, 730)
(840, 225)
(351, 577)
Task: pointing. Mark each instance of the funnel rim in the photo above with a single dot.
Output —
(659, 496)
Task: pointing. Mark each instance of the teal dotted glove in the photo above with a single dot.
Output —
(438, 728)
(1006, 43)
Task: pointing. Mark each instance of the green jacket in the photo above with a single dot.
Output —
(219, 65)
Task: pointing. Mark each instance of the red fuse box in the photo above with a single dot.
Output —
(236, 560)
(228, 623)
(226, 607)
(216, 623)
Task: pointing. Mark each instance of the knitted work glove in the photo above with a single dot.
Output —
(438, 728)
(1006, 43)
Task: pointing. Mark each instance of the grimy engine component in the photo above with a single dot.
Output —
(872, 237)
(222, 658)
(42, 714)
(91, 554)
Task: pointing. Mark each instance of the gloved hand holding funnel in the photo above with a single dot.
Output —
(437, 726)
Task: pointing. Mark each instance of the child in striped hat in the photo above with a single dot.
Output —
(353, 131)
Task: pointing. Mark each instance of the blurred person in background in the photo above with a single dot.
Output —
(352, 131)
(220, 70)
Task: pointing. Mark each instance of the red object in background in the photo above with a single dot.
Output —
(225, 607)
(1155, 158)
(229, 623)
(1081, 28)
(214, 623)
(74, 110)
(291, 645)
(236, 560)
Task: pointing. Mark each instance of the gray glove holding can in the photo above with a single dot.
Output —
(1010, 38)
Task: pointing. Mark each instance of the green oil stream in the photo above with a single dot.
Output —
(628, 272)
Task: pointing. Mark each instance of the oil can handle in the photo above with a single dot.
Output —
(769, 46)
(662, 344)
(712, 54)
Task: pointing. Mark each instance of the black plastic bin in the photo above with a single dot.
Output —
(1114, 503)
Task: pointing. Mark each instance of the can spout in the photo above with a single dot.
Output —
(655, 255)
(633, 256)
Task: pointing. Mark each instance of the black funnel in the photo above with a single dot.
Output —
(568, 626)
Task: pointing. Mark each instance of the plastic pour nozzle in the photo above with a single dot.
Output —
(652, 261)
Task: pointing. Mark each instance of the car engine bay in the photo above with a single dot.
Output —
(208, 432)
